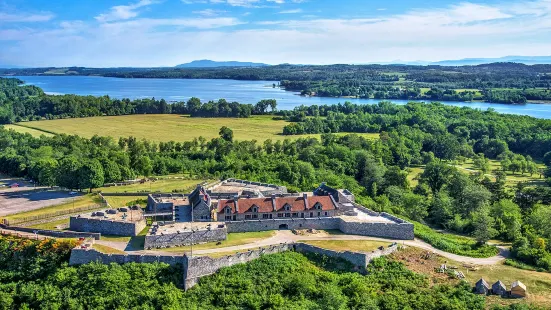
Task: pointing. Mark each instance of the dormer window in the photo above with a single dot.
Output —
(287, 207)
(228, 210)
(318, 206)
(255, 209)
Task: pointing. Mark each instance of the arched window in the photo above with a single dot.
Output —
(228, 209)
(287, 207)
(318, 206)
(255, 209)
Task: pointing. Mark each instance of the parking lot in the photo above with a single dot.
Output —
(25, 197)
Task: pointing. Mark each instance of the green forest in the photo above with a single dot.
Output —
(35, 275)
(509, 83)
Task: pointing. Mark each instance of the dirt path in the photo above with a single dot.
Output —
(289, 237)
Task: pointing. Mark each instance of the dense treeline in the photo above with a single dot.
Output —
(35, 275)
(449, 132)
(21, 103)
(497, 82)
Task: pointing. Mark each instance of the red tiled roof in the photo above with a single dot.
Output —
(265, 204)
(325, 201)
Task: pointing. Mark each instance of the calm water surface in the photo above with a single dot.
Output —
(231, 90)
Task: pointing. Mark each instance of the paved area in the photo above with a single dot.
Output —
(16, 200)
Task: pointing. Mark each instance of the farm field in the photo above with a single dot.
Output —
(33, 132)
(164, 127)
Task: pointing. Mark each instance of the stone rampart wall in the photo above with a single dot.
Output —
(276, 224)
(383, 230)
(201, 266)
(54, 233)
(81, 256)
(107, 227)
(185, 238)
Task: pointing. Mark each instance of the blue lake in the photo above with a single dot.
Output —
(231, 90)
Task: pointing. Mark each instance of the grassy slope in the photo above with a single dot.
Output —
(167, 127)
(538, 283)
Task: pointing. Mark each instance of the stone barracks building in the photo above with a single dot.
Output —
(276, 208)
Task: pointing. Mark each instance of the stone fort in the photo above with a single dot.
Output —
(209, 213)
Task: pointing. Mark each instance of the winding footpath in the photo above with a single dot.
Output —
(286, 236)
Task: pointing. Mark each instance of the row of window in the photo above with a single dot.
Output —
(286, 207)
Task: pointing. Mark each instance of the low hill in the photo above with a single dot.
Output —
(205, 63)
(528, 60)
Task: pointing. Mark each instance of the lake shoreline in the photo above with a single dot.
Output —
(246, 92)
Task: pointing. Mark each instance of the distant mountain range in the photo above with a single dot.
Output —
(527, 60)
(214, 64)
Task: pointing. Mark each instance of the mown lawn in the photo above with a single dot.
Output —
(232, 240)
(121, 201)
(167, 127)
(51, 225)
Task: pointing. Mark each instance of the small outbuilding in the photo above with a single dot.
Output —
(499, 288)
(518, 290)
(482, 287)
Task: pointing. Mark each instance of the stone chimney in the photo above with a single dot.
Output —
(274, 202)
(305, 197)
(236, 203)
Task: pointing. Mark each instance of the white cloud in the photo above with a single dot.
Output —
(122, 12)
(25, 18)
(458, 31)
(295, 11)
(209, 12)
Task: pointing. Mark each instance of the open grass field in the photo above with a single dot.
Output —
(232, 240)
(107, 250)
(33, 132)
(52, 225)
(121, 201)
(348, 245)
(166, 127)
(538, 284)
(467, 167)
(160, 185)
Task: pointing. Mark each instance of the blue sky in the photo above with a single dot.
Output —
(108, 33)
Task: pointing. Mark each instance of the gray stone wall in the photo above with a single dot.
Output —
(185, 238)
(384, 230)
(107, 227)
(81, 256)
(197, 267)
(54, 233)
(154, 206)
(201, 212)
(276, 224)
